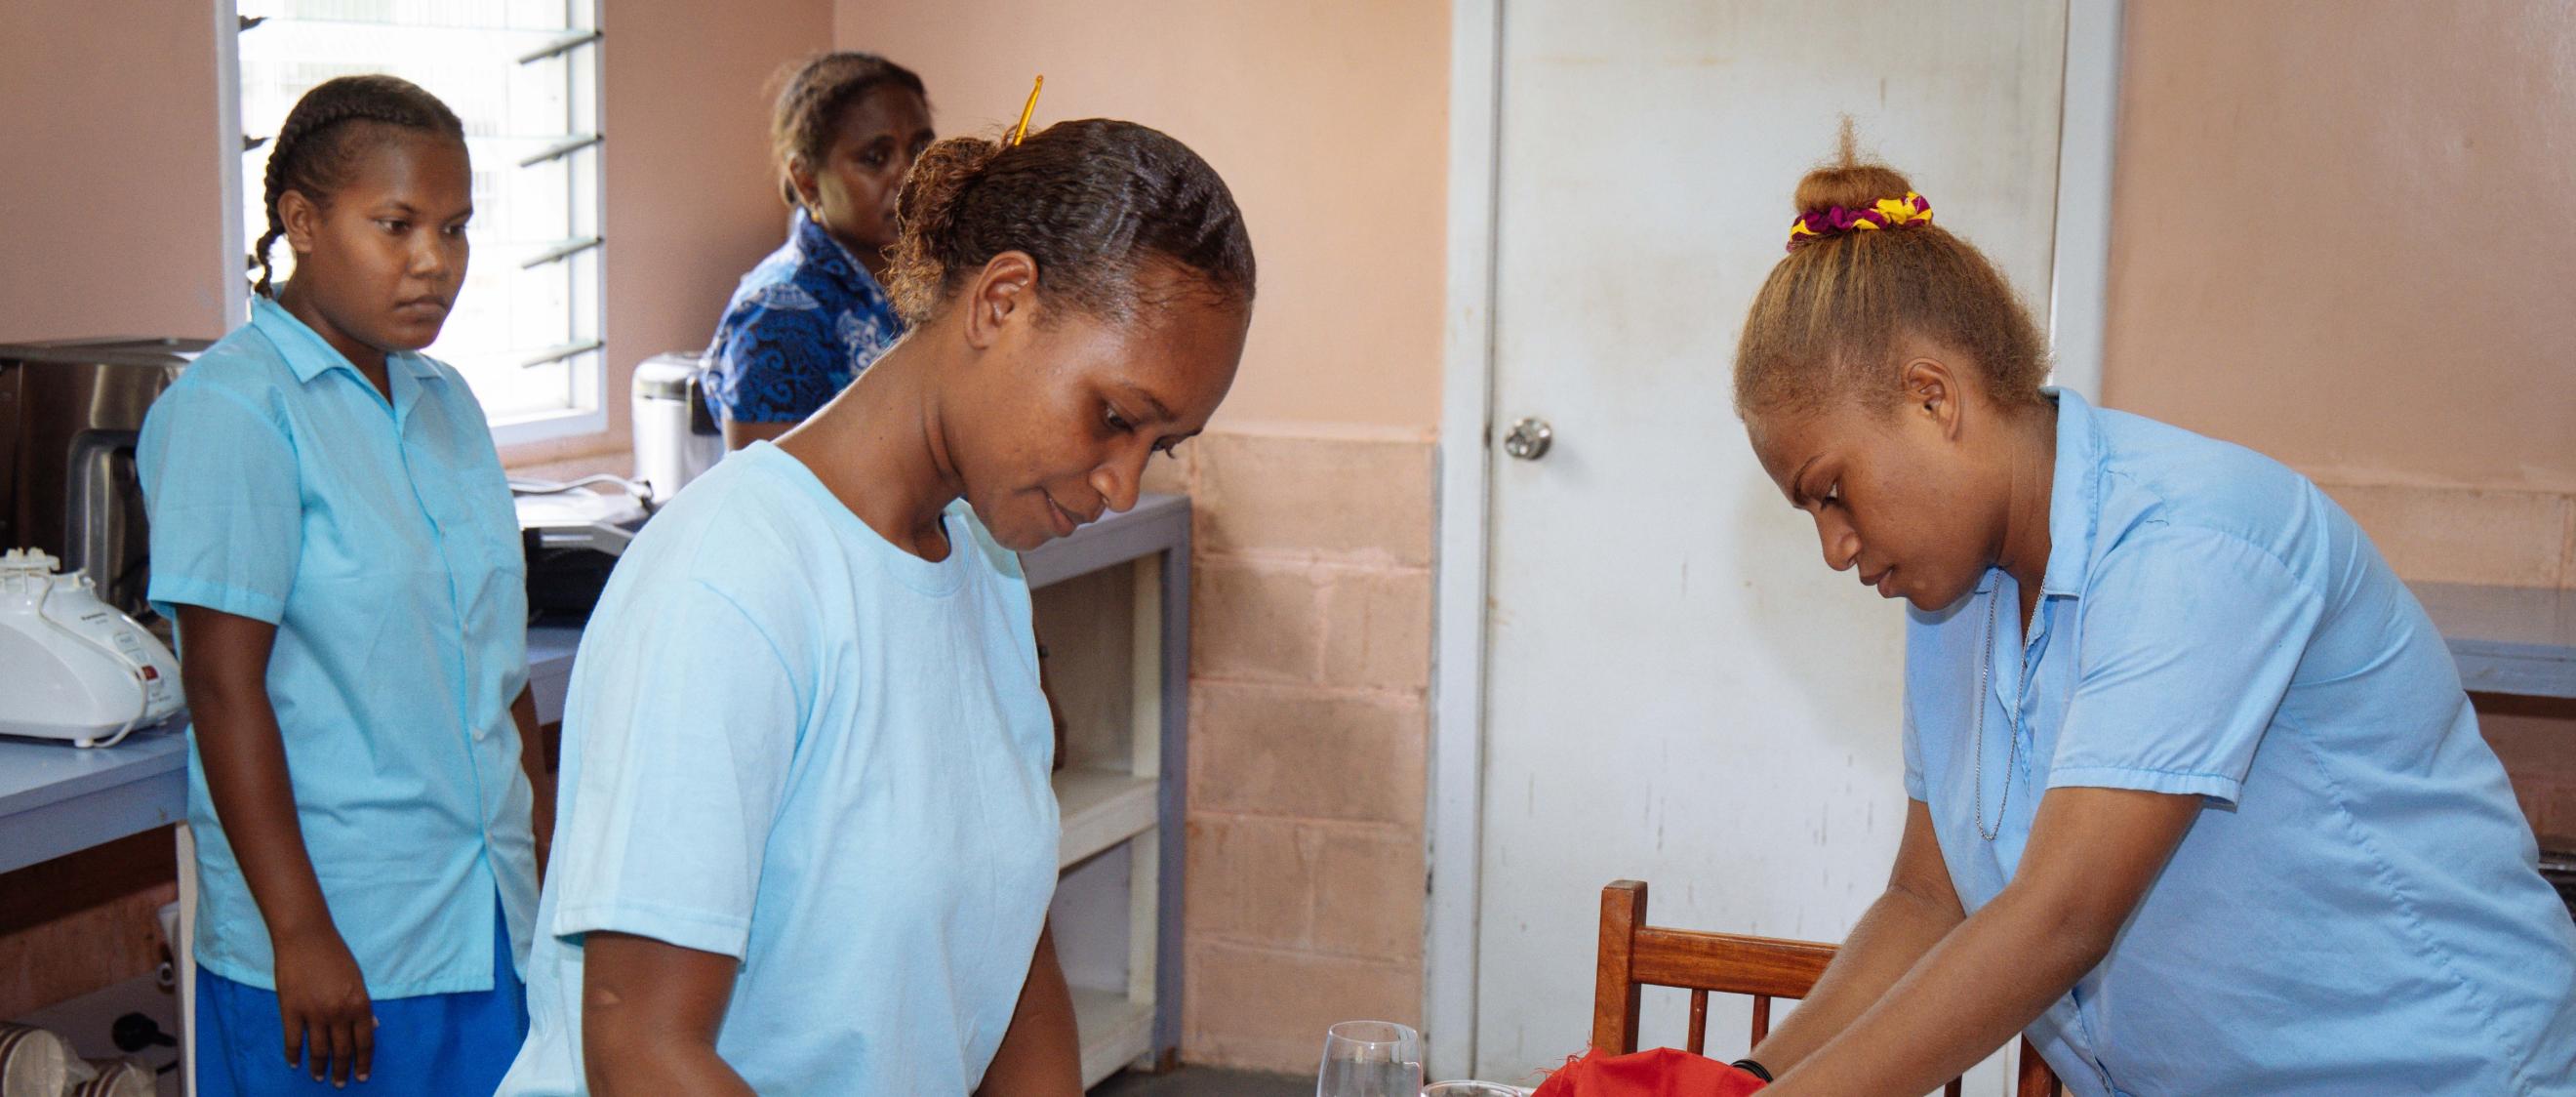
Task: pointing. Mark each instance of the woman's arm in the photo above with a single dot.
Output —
(1041, 1056)
(541, 784)
(650, 1011)
(2092, 854)
(321, 995)
(1917, 910)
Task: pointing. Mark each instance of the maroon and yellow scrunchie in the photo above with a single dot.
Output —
(1814, 225)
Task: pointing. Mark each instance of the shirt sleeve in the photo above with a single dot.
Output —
(225, 499)
(686, 726)
(776, 364)
(2186, 646)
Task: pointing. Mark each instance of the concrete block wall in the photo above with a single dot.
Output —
(1310, 665)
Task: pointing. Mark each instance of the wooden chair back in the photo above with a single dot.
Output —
(1635, 955)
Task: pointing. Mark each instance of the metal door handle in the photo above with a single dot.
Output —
(1529, 438)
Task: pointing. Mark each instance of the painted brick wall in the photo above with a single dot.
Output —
(1310, 662)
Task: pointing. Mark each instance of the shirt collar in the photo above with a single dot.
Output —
(311, 356)
(820, 249)
(2075, 494)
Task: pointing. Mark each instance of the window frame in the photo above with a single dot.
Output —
(587, 412)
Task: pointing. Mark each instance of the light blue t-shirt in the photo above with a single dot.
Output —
(790, 742)
(2357, 908)
(379, 538)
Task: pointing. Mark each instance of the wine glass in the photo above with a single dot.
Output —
(1370, 1059)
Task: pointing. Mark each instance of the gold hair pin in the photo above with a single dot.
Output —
(1023, 129)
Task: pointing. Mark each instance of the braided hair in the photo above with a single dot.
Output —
(319, 143)
(811, 100)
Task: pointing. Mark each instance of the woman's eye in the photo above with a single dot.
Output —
(1118, 422)
(391, 225)
(1834, 494)
(1168, 449)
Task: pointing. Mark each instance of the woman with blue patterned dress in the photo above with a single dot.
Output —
(811, 316)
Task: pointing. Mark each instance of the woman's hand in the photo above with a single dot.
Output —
(2093, 853)
(321, 995)
(322, 1002)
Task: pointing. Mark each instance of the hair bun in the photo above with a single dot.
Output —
(1848, 180)
(925, 211)
(1091, 201)
(1840, 196)
(1850, 186)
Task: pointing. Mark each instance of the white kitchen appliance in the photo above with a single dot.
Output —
(676, 437)
(71, 666)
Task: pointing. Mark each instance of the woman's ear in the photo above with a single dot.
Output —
(1932, 391)
(302, 218)
(1004, 296)
(800, 175)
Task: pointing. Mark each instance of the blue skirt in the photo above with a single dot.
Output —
(431, 1045)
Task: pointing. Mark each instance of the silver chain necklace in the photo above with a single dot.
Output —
(2012, 727)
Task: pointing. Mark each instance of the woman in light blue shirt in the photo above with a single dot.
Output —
(2198, 801)
(810, 838)
(332, 532)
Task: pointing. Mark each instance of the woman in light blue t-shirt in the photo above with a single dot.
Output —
(2197, 802)
(810, 836)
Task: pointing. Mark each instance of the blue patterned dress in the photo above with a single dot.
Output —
(799, 329)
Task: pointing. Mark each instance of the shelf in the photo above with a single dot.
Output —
(1158, 523)
(1100, 809)
(1114, 1031)
(2509, 641)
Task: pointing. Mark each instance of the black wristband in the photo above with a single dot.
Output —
(1755, 1069)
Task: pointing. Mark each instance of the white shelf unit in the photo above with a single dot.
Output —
(1112, 606)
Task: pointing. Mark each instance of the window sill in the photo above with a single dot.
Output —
(549, 427)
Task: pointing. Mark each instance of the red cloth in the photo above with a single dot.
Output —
(1663, 1072)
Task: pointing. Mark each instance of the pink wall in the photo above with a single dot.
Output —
(110, 219)
(2340, 236)
(690, 202)
(1328, 121)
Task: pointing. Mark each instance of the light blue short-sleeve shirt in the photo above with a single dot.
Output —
(379, 537)
(2357, 908)
(792, 743)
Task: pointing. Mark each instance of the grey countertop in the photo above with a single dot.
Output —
(2509, 641)
(55, 798)
(1121, 536)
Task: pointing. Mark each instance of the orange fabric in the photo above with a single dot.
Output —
(1662, 1072)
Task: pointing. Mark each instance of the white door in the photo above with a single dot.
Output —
(1677, 691)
